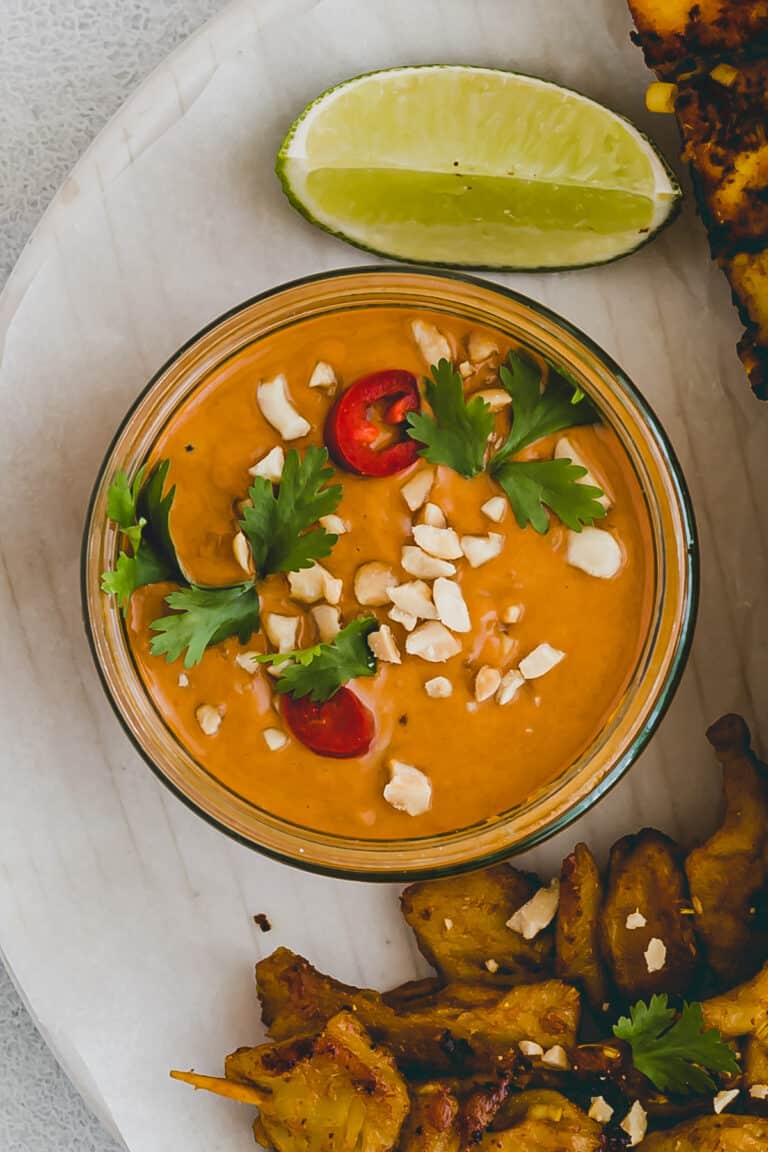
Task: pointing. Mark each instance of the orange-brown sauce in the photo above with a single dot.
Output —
(481, 758)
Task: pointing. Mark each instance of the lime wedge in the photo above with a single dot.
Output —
(475, 167)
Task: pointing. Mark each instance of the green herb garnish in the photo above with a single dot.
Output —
(533, 486)
(319, 671)
(278, 527)
(141, 511)
(676, 1052)
(205, 616)
(457, 432)
(537, 413)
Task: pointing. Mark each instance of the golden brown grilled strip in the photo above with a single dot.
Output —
(724, 134)
(544, 1121)
(674, 33)
(462, 1030)
(727, 874)
(461, 924)
(748, 276)
(742, 1010)
(712, 1134)
(335, 1093)
(577, 932)
(645, 876)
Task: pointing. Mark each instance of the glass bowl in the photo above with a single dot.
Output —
(675, 574)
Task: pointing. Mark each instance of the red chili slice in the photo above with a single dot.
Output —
(341, 727)
(351, 434)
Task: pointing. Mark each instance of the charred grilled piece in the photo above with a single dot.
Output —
(728, 873)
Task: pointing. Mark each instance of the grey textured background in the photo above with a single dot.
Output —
(65, 67)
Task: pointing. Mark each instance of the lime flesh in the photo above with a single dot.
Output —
(475, 167)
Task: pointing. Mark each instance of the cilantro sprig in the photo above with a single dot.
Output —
(279, 526)
(457, 432)
(675, 1051)
(537, 413)
(319, 671)
(141, 511)
(202, 617)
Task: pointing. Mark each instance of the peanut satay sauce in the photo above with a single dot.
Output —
(481, 758)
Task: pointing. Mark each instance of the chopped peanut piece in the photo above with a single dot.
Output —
(722, 1099)
(540, 661)
(465, 369)
(406, 619)
(495, 509)
(440, 542)
(537, 913)
(600, 1110)
(384, 646)
(248, 662)
(282, 631)
(480, 549)
(418, 488)
(274, 400)
(408, 790)
(530, 1048)
(511, 683)
(334, 524)
(327, 621)
(274, 738)
(486, 683)
(415, 598)
(433, 642)
(635, 1124)
(416, 562)
(242, 552)
(655, 955)
(635, 920)
(433, 516)
(439, 688)
(315, 583)
(450, 604)
(372, 583)
(481, 347)
(595, 552)
(208, 718)
(496, 398)
(270, 467)
(323, 376)
(512, 614)
(556, 1057)
(433, 345)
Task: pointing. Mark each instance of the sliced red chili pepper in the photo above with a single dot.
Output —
(351, 433)
(340, 727)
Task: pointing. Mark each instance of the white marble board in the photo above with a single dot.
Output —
(127, 921)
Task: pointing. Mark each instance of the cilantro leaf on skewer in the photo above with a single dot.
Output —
(141, 510)
(677, 1053)
(457, 432)
(279, 526)
(537, 413)
(319, 671)
(533, 486)
(204, 616)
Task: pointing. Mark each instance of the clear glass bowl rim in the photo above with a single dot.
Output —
(370, 869)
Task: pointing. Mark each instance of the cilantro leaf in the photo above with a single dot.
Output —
(121, 505)
(205, 616)
(535, 413)
(320, 671)
(156, 509)
(532, 486)
(141, 511)
(677, 1055)
(278, 527)
(457, 432)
